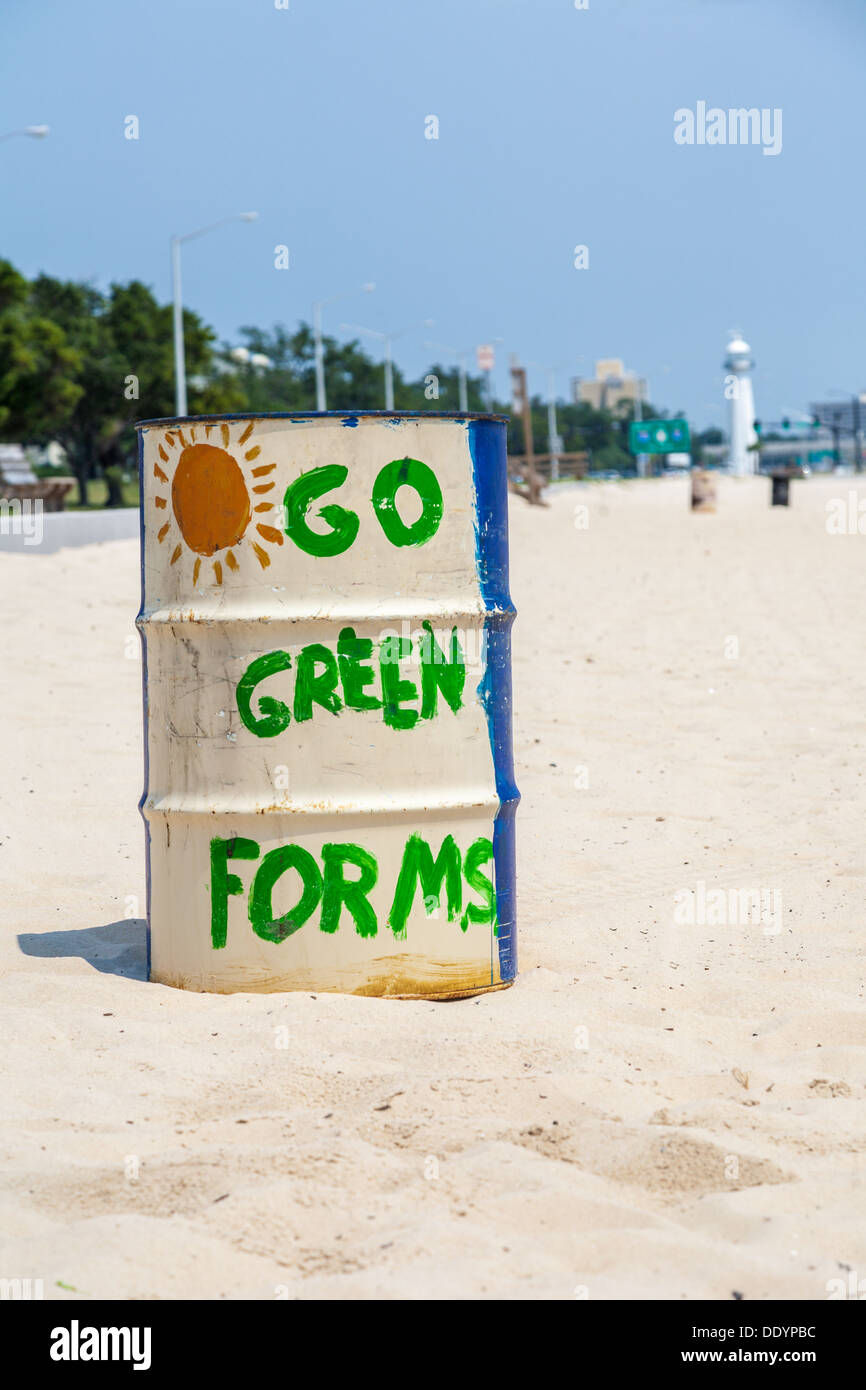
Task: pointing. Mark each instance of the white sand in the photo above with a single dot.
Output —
(641, 1164)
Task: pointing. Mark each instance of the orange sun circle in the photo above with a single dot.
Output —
(209, 499)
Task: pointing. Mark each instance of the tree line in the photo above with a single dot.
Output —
(79, 366)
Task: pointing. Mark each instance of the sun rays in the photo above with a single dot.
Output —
(215, 499)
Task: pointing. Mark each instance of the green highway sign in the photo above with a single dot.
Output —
(659, 437)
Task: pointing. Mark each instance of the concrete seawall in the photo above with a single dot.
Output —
(35, 534)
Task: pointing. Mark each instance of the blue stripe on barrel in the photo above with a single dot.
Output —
(144, 688)
(487, 445)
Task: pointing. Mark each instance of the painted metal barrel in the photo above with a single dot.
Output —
(329, 789)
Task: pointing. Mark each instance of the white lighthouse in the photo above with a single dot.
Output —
(738, 389)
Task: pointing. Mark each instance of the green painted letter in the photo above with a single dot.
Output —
(310, 688)
(437, 674)
(299, 494)
(274, 716)
(352, 892)
(261, 910)
(418, 867)
(351, 652)
(395, 690)
(223, 884)
(412, 473)
(476, 855)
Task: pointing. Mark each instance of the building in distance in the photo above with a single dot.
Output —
(611, 385)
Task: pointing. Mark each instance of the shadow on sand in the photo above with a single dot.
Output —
(118, 948)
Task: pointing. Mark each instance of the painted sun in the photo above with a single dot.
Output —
(216, 495)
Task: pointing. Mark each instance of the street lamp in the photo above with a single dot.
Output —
(321, 402)
(640, 459)
(38, 132)
(554, 443)
(461, 354)
(179, 358)
(387, 339)
(488, 375)
(245, 358)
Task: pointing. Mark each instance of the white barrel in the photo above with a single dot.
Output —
(329, 792)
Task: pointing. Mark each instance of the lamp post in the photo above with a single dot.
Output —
(488, 375)
(461, 354)
(179, 358)
(250, 359)
(554, 444)
(387, 339)
(38, 132)
(640, 459)
(321, 400)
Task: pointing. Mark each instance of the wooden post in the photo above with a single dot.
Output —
(531, 490)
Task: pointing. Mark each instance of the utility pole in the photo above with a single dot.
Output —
(389, 375)
(319, 353)
(177, 314)
(486, 359)
(462, 387)
(387, 339)
(177, 318)
(834, 430)
(522, 407)
(553, 442)
(318, 343)
(638, 415)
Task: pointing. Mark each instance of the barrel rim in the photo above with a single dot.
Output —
(325, 415)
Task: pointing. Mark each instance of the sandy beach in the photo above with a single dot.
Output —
(659, 1108)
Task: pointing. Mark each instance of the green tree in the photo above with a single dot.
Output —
(124, 372)
(447, 384)
(354, 380)
(581, 428)
(37, 365)
(712, 435)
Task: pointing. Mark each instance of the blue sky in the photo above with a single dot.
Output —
(555, 129)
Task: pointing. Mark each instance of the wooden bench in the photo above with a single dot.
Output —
(18, 481)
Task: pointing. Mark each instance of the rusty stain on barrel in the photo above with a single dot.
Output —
(329, 789)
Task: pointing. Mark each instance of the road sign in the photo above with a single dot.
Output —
(659, 437)
(485, 357)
